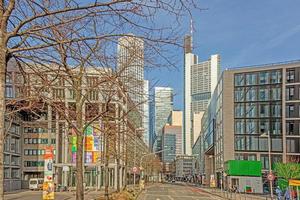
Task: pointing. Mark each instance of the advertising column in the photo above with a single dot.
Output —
(48, 186)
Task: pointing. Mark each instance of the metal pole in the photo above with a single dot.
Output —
(270, 164)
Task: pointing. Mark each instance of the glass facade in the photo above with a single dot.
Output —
(258, 111)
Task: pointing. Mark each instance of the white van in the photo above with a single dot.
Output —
(36, 183)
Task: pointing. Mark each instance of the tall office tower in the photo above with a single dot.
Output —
(146, 113)
(200, 79)
(131, 67)
(163, 105)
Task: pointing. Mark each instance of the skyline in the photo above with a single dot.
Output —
(247, 35)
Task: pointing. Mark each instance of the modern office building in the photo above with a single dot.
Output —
(163, 105)
(200, 79)
(146, 113)
(248, 105)
(131, 67)
(184, 166)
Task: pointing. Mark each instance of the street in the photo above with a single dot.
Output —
(37, 195)
(174, 191)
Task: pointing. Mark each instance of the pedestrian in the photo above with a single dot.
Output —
(278, 193)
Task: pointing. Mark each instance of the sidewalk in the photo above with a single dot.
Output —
(230, 195)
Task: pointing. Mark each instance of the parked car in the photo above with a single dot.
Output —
(36, 183)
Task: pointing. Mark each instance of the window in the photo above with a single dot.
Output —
(275, 93)
(251, 110)
(263, 77)
(290, 128)
(71, 94)
(290, 75)
(15, 160)
(276, 110)
(251, 94)
(251, 79)
(6, 173)
(263, 126)
(290, 111)
(239, 94)
(239, 80)
(9, 93)
(292, 145)
(251, 126)
(263, 144)
(264, 161)
(276, 127)
(263, 94)
(239, 110)
(252, 143)
(239, 143)
(58, 93)
(239, 127)
(15, 173)
(6, 159)
(290, 92)
(276, 144)
(264, 110)
(276, 76)
(53, 141)
(93, 95)
(13, 145)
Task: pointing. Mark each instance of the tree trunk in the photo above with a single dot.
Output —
(3, 66)
(79, 167)
(106, 166)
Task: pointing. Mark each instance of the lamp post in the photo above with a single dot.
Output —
(270, 164)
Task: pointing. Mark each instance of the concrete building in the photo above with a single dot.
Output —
(44, 125)
(146, 113)
(185, 166)
(200, 79)
(175, 118)
(163, 105)
(247, 104)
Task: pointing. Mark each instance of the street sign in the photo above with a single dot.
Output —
(271, 177)
(135, 170)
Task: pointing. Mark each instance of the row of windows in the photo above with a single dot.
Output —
(264, 77)
(38, 141)
(257, 94)
(257, 110)
(258, 126)
(12, 173)
(263, 158)
(202, 96)
(254, 143)
(33, 163)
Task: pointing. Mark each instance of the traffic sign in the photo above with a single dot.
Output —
(271, 177)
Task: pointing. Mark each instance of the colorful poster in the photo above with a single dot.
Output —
(74, 143)
(73, 157)
(96, 130)
(89, 143)
(89, 130)
(48, 186)
(95, 156)
(88, 157)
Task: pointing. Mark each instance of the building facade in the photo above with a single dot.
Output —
(185, 166)
(248, 104)
(163, 105)
(200, 79)
(146, 114)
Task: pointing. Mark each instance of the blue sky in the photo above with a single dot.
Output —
(242, 32)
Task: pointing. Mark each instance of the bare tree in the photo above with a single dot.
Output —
(27, 28)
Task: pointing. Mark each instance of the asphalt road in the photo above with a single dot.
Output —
(175, 191)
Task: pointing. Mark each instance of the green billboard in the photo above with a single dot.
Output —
(243, 168)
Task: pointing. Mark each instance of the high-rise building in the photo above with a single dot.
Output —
(163, 105)
(172, 137)
(200, 79)
(146, 113)
(131, 68)
(249, 105)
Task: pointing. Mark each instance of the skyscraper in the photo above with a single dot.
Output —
(200, 79)
(131, 68)
(146, 112)
(163, 105)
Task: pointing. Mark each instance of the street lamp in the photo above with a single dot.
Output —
(270, 164)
